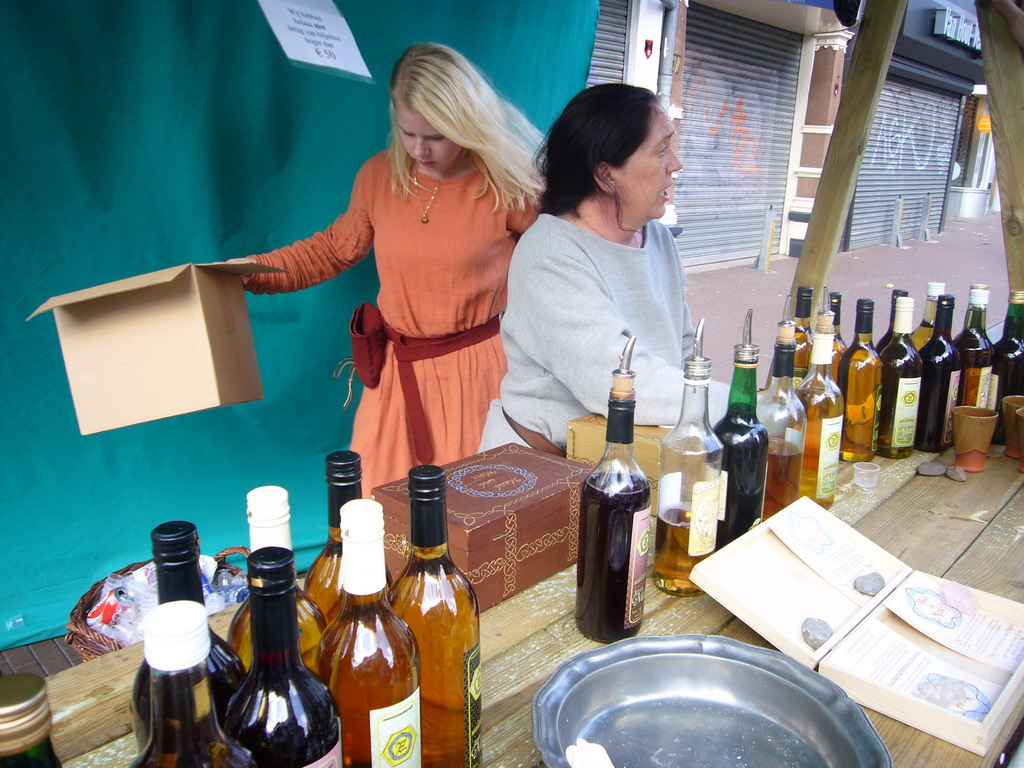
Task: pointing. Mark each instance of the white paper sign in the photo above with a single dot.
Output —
(313, 33)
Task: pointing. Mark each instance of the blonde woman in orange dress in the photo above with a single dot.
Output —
(442, 208)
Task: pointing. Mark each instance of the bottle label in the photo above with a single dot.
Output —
(954, 390)
(395, 734)
(471, 695)
(874, 424)
(828, 456)
(904, 418)
(795, 438)
(704, 517)
(799, 372)
(984, 377)
(639, 548)
(993, 392)
(723, 489)
(332, 759)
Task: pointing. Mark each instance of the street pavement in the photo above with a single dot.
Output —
(967, 251)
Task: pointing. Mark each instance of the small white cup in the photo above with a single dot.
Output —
(865, 476)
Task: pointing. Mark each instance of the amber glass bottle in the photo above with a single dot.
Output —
(374, 675)
(823, 402)
(436, 600)
(940, 380)
(860, 381)
(802, 337)
(882, 342)
(838, 345)
(1008, 361)
(324, 577)
(901, 387)
(269, 514)
(923, 332)
(975, 350)
(25, 722)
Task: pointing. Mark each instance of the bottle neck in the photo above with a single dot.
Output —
(943, 322)
(743, 392)
(275, 629)
(364, 571)
(620, 422)
(428, 528)
(930, 305)
(279, 535)
(782, 363)
(903, 323)
(821, 350)
(184, 721)
(694, 409)
(179, 581)
(1013, 327)
(975, 319)
(338, 495)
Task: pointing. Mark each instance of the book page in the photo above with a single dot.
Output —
(980, 635)
(878, 653)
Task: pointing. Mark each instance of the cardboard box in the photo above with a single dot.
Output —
(161, 344)
(513, 517)
(585, 441)
(918, 651)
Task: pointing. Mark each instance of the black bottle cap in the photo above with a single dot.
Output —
(944, 310)
(865, 315)
(428, 515)
(175, 542)
(344, 468)
(804, 296)
(272, 571)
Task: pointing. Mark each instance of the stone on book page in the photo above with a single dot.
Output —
(869, 583)
(815, 632)
(942, 690)
(957, 473)
(931, 469)
(960, 597)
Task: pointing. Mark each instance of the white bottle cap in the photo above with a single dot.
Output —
(904, 320)
(176, 635)
(978, 296)
(269, 514)
(362, 520)
(362, 535)
(936, 289)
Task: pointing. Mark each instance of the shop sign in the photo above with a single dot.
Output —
(985, 124)
(957, 28)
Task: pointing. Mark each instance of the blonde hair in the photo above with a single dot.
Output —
(442, 86)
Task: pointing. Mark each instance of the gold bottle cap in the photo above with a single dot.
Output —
(623, 376)
(24, 713)
(1017, 297)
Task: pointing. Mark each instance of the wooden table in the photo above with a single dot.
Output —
(971, 532)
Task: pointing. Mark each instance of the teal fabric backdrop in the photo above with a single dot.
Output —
(137, 135)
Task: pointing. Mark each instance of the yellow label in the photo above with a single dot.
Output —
(723, 492)
(828, 456)
(954, 390)
(983, 384)
(471, 694)
(395, 734)
(704, 517)
(993, 392)
(904, 417)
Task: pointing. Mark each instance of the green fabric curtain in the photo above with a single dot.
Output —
(138, 135)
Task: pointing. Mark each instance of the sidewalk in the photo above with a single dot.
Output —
(968, 251)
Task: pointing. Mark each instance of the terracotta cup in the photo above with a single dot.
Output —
(1010, 405)
(972, 435)
(1018, 418)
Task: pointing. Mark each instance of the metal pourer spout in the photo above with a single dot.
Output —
(825, 322)
(748, 352)
(622, 377)
(786, 334)
(697, 367)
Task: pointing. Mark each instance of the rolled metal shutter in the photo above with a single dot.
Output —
(739, 98)
(908, 154)
(608, 62)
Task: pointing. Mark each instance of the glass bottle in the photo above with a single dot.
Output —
(823, 402)
(283, 714)
(838, 345)
(975, 350)
(690, 489)
(923, 332)
(615, 517)
(882, 342)
(176, 561)
(744, 445)
(324, 577)
(436, 600)
(185, 732)
(860, 381)
(1008, 361)
(901, 387)
(374, 675)
(802, 338)
(25, 722)
(269, 514)
(940, 380)
(783, 415)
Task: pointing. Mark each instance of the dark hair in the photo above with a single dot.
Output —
(603, 124)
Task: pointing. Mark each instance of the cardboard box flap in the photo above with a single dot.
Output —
(141, 281)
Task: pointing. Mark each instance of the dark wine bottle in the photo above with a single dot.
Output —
(901, 386)
(803, 336)
(283, 714)
(176, 560)
(1008, 361)
(860, 381)
(25, 721)
(745, 445)
(887, 336)
(940, 380)
(975, 350)
(835, 300)
(436, 600)
(186, 732)
(614, 532)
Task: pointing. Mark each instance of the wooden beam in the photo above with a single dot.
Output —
(1004, 74)
(871, 54)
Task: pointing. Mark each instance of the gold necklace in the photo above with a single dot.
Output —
(425, 210)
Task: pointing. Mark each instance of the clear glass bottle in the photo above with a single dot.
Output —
(901, 387)
(882, 342)
(690, 491)
(823, 402)
(176, 561)
(940, 380)
(269, 514)
(436, 600)
(283, 714)
(975, 350)
(324, 577)
(614, 533)
(185, 732)
(374, 675)
(25, 722)
(1008, 361)
(860, 381)
(838, 345)
(745, 445)
(923, 332)
(803, 335)
(785, 419)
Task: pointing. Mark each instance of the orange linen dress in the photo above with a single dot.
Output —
(438, 278)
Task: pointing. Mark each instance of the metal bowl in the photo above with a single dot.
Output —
(695, 700)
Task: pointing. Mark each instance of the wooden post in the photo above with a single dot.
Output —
(875, 40)
(1004, 74)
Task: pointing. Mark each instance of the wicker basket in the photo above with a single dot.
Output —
(89, 642)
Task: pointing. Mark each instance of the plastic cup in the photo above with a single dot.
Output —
(865, 476)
